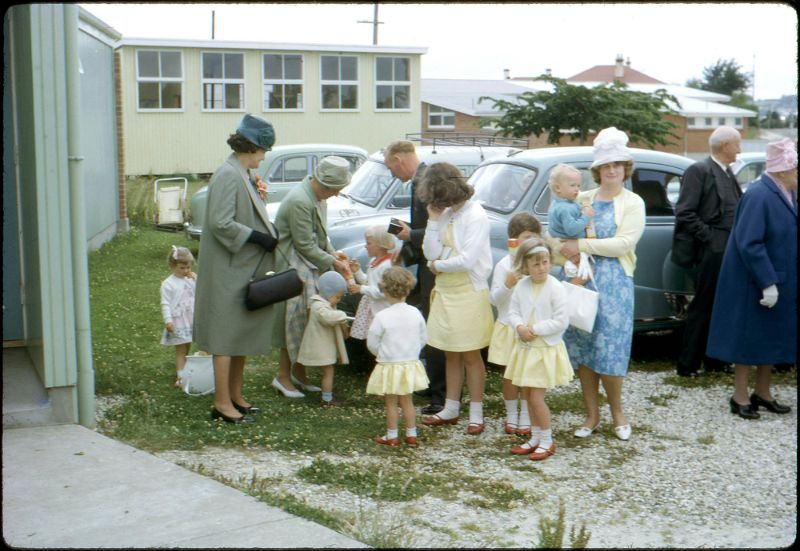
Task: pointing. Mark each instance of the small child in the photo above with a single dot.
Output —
(539, 360)
(379, 245)
(522, 226)
(396, 337)
(566, 218)
(177, 306)
(323, 340)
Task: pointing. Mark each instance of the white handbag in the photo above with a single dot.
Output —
(197, 376)
(581, 305)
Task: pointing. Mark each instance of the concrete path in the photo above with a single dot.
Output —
(68, 486)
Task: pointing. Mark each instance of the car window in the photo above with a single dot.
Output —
(369, 183)
(657, 189)
(501, 187)
(467, 169)
(289, 169)
(402, 197)
(543, 203)
(354, 161)
(749, 173)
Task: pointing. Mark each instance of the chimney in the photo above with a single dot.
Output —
(506, 74)
(619, 68)
(628, 62)
(548, 72)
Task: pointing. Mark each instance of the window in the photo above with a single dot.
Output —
(159, 80)
(283, 82)
(501, 187)
(691, 122)
(392, 83)
(658, 189)
(339, 77)
(290, 169)
(709, 121)
(737, 122)
(439, 117)
(223, 81)
(543, 203)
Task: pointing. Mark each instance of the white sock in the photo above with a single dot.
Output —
(536, 436)
(451, 409)
(546, 439)
(391, 433)
(476, 412)
(327, 396)
(411, 431)
(524, 418)
(512, 415)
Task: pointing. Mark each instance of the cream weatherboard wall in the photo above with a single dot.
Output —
(192, 141)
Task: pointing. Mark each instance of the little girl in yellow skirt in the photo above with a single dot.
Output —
(396, 337)
(539, 359)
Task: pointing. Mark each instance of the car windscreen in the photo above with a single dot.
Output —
(501, 187)
(369, 183)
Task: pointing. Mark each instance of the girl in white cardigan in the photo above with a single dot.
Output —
(396, 337)
(460, 321)
(379, 244)
(177, 306)
(539, 360)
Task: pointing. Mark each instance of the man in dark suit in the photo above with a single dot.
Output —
(703, 220)
(401, 159)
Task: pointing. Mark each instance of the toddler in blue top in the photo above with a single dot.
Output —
(566, 219)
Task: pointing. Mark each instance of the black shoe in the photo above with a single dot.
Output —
(432, 409)
(423, 393)
(745, 412)
(251, 410)
(216, 414)
(689, 374)
(757, 401)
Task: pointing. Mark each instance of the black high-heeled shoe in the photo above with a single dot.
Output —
(249, 410)
(745, 412)
(216, 414)
(773, 406)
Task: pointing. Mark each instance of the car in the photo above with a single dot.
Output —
(506, 186)
(373, 189)
(283, 167)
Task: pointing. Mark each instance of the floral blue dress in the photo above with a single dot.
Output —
(607, 349)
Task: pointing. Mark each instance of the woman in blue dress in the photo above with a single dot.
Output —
(619, 221)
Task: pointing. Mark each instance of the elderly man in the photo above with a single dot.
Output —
(303, 244)
(703, 220)
(402, 161)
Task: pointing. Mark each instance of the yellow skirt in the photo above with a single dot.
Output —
(460, 317)
(539, 365)
(503, 338)
(399, 378)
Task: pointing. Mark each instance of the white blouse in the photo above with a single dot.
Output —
(550, 306)
(499, 294)
(397, 334)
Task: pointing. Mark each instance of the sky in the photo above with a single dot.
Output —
(671, 42)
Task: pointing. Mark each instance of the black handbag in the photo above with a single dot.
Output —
(274, 287)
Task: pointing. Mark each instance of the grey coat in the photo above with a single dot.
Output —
(226, 262)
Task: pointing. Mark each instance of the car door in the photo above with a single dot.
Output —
(285, 173)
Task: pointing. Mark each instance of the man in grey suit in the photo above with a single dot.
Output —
(703, 220)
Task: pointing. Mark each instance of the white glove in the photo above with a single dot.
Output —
(769, 296)
(570, 269)
(585, 268)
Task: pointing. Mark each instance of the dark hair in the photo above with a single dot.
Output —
(397, 282)
(523, 221)
(444, 185)
(240, 144)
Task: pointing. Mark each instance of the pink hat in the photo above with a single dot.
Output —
(781, 156)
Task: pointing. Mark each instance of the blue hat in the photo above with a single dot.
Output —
(331, 283)
(257, 131)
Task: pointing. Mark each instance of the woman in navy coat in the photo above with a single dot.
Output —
(754, 320)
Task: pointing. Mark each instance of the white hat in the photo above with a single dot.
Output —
(610, 145)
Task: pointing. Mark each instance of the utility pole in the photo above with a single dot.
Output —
(375, 24)
(212, 25)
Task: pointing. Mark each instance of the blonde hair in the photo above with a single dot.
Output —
(179, 255)
(526, 250)
(397, 282)
(558, 173)
(381, 237)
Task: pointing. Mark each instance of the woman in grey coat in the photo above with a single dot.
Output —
(238, 241)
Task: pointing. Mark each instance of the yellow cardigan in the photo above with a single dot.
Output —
(629, 215)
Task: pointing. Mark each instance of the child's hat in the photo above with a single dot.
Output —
(610, 145)
(331, 283)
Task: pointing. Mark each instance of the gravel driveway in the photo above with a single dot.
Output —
(692, 475)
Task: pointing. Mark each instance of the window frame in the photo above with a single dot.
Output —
(442, 115)
(393, 84)
(223, 81)
(339, 83)
(282, 82)
(159, 80)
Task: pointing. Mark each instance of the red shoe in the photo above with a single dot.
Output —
(435, 421)
(544, 453)
(511, 428)
(475, 428)
(524, 431)
(387, 441)
(411, 441)
(524, 449)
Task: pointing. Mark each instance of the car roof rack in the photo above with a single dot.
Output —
(466, 138)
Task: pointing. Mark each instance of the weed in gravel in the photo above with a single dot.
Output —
(706, 440)
(551, 532)
(662, 399)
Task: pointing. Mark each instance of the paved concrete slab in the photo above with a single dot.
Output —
(68, 486)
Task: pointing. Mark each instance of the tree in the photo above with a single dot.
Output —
(576, 111)
(725, 77)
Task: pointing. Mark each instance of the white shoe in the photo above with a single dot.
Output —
(623, 432)
(276, 384)
(304, 386)
(583, 432)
